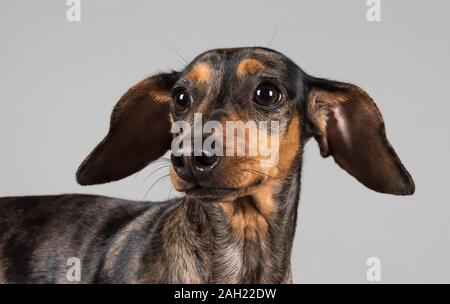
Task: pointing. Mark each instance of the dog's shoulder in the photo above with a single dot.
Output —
(39, 233)
(69, 209)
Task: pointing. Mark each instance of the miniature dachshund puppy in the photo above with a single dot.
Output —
(237, 218)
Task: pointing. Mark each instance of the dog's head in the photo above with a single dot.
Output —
(237, 120)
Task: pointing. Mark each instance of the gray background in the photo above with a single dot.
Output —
(60, 80)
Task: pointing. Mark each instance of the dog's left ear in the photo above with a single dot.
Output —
(139, 133)
(348, 125)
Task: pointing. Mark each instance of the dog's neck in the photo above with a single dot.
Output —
(253, 235)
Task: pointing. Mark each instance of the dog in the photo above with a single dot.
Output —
(237, 219)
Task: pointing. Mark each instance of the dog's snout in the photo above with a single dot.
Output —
(195, 168)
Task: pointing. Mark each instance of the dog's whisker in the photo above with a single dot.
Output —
(171, 188)
(273, 35)
(154, 183)
(175, 51)
(277, 166)
(153, 172)
(257, 172)
(170, 191)
(178, 60)
(160, 160)
(284, 171)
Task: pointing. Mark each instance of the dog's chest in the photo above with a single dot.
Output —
(207, 250)
(234, 262)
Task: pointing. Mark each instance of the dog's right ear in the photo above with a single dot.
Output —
(139, 132)
(349, 127)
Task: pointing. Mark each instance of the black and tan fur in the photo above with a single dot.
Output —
(234, 226)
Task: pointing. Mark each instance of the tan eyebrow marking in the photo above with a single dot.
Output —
(249, 66)
(200, 72)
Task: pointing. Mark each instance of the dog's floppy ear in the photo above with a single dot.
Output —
(348, 125)
(139, 133)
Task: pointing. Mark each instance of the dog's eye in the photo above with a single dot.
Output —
(267, 95)
(181, 99)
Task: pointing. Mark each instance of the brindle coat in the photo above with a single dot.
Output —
(236, 223)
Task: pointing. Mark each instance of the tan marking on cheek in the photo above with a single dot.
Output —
(249, 66)
(177, 182)
(289, 149)
(200, 72)
(249, 217)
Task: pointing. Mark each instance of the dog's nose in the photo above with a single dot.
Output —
(177, 161)
(206, 161)
(195, 168)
